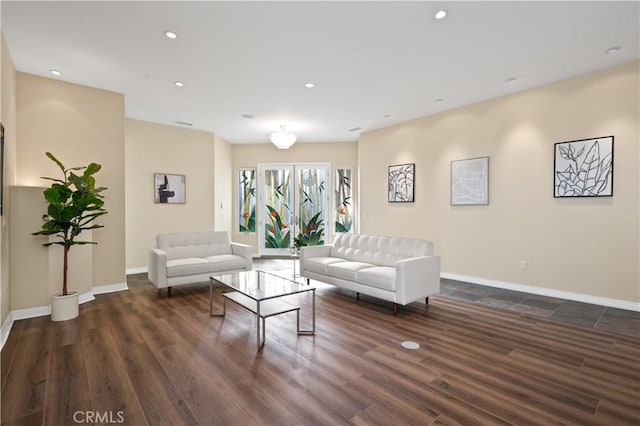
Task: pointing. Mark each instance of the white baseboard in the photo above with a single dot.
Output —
(40, 311)
(6, 328)
(140, 270)
(86, 297)
(110, 288)
(578, 297)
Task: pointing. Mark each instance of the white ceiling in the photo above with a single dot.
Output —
(374, 63)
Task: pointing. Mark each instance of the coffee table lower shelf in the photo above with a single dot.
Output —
(268, 308)
(264, 295)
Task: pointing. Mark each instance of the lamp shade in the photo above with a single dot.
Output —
(283, 139)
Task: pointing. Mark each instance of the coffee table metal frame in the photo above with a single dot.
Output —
(260, 302)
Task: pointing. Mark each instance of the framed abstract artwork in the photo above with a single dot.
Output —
(470, 181)
(401, 183)
(169, 189)
(583, 168)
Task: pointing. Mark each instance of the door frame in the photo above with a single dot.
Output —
(293, 190)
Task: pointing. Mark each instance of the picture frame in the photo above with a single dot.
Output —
(401, 183)
(583, 168)
(169, 188)
(470, 181)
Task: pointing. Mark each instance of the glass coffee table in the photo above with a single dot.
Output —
(261, 293)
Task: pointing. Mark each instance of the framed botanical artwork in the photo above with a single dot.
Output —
(401, 183)
(470, 181)
(583, 168)
(169, 189)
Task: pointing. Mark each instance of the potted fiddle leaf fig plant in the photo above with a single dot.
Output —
(74, 202)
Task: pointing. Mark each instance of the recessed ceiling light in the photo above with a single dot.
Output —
(355, 129)
(184, 123)
(441, 14)
(247, 116)
(178, 83)
(511, 80)
(309, 85)
(439, 100)
(170, 34)
(613, 49)
(387, 116)
(56, 72)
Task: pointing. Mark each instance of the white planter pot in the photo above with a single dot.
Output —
(64, 307)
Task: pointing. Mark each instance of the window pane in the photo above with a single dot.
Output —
(247, 201)
(344, 209)
(278, 220)
(310, 207)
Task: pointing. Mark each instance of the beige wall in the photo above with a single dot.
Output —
(8, 119)
(78, 125)
(223, 185)
(37, 279)
(340, 155)
(585, 246)
(156, 148)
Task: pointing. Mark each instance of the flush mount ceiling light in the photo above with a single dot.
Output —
(309, 85)
(170, 34)
(178, 83)
(441, 14)
(283, 139)
(55, 72)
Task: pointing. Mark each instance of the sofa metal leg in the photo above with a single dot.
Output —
(394, 307)
(168, 291)
(357, 296)
(426, 300)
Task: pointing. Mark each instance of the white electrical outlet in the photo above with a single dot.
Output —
(524, 265)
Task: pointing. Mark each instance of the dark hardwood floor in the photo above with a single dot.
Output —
(137, 358)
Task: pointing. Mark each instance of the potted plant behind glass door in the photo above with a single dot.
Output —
(74, 202)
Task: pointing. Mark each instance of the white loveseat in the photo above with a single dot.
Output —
(400, 270)
(190, 257)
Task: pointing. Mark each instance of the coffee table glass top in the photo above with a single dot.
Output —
(260, 285)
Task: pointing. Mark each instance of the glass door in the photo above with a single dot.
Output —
(292, 207)
(275, 202)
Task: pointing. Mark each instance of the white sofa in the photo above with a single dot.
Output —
(190, 257)
(400, 270)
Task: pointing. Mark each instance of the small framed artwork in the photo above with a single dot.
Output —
(583, 168)
(169, 189)
(470, 181)
(401, 183)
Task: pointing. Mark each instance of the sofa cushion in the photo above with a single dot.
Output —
(383, 277)
(319, 264)
(225, 262)
(194, 244)
(186, 266)
(346, 270)
(381, 251)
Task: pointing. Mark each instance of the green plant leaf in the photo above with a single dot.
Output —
(92, 169)
(55, 160)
